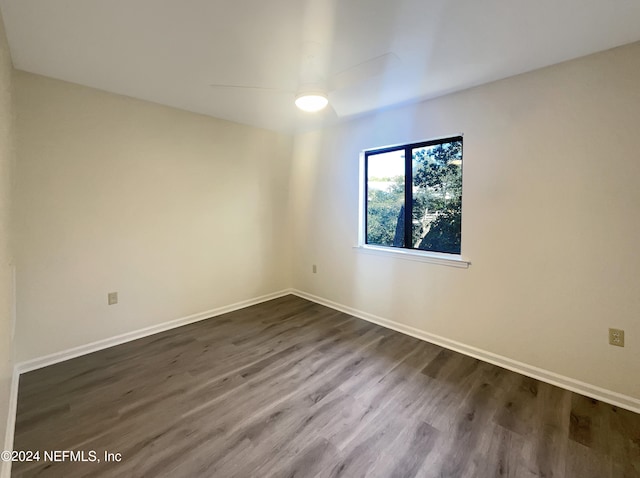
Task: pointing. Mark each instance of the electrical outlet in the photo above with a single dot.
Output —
(112, 298)
(314, 269)
(616, 337)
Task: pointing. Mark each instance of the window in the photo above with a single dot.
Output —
(413, 196)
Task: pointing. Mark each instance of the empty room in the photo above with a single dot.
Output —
(320, 238)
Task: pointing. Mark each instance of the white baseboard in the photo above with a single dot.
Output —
(5, 468)
(593, 391)
(34, 364)
(608, 396)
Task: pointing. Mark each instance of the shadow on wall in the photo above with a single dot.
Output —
(303, 202)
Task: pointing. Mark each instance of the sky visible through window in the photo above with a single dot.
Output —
(389, 165)
(386, 165)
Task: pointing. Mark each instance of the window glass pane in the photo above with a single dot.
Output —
(385, 199)
(437, 197)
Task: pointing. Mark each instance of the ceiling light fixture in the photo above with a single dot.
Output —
(312, 101)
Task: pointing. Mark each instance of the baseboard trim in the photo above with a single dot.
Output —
(40, 362)
(593, 391)
(5, 470)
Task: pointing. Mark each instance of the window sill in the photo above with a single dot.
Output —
(451, 260)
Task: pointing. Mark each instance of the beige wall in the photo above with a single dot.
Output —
(6, 256)
(550, 219)
(182, 213)
(179, 213)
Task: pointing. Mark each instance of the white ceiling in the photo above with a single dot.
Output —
(171, 51)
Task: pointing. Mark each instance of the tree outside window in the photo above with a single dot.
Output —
(433, 169)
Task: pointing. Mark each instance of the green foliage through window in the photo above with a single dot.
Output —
(433, 220)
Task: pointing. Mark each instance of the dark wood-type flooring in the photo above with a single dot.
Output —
(289, 388)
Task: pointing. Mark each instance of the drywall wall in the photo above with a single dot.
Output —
(6, 256)
(550, 219)
(179, 213)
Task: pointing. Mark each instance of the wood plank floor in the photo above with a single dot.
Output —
(290, 388)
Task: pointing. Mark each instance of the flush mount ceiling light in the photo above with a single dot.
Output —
(312, 101)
